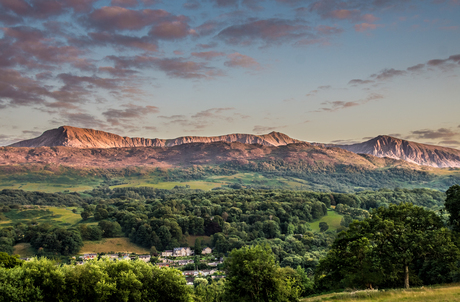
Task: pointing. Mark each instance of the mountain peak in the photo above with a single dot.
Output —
(422, 154)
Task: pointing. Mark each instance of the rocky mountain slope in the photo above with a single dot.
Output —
(313, 158)
(381, 146)
(421, 154)
(88, 138)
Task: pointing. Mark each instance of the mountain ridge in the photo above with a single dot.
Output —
(68, 136)
(381, 146)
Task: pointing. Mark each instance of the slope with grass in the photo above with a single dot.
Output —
(117, 245)
(444, 293)
(332, 219)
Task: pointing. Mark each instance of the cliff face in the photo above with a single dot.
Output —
(88, 138)
(421, 154)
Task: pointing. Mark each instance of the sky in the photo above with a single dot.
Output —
(326, 71)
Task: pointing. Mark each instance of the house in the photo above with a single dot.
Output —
(189, 280)
(167, 253)
(182, 251)
(145, 258)
(163, 264)
(206, 251)
(89, 256)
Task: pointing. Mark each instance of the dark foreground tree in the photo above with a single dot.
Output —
(382, 249)
(453, 206)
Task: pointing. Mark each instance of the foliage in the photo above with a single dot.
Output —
(253, 275)
(103, 280)
(8, 261)
(382, 249)
(453, 206)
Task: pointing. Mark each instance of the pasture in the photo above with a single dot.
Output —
(445, 293)
(333, 219)
(117, 245)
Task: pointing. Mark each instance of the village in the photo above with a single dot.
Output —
(183, 258)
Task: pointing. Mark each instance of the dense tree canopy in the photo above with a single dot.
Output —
(385, 248)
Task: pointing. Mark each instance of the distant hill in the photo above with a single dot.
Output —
(67, 136)
(421, 154)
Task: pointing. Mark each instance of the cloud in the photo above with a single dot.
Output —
(31, 48)
(171, 30)
(192, 4)
(124, 3)
(238, 60)
(265, 129)
(339, 105)
(172, 117)
(434, 134)
(416, 68)
(269, 31)
(212, 113)
(366, 26)
(359, 82)
(173, 67)
(119, 41)
(208, 55)
(129, 112)
(387, 74)
(115, 18)
(81, 119)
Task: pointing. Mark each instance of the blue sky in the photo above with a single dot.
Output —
(317, 70)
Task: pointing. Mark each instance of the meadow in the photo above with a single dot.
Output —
(446, 293)
(117, 245)
(333, 219)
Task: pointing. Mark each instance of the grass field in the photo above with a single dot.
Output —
(332, 219)
(23, 250)
(202, 185)
(204, 239)
(122, 245)
(54, 215)
(449, 293)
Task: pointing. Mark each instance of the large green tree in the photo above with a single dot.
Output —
(253, 275)
(453, 206)
(382, 249)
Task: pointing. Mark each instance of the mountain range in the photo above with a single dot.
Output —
(222, 148)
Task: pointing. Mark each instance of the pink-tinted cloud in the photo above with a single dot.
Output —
(31, 48)
(238, 60)
(172, 30)
(339, 105)
(129, 112)
(173, 67)
(362, 27)
(120, 41)
(269, 31)
(416, 68)
(387, 74)
(192, 4)
(442, 133)
(360, 82)
(124, 3)
(112, 18)
(259, 129)
(208, 55)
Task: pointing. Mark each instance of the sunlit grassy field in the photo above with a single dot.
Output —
(56, 216)
(448, 293)
(332, 219)
(23, 250)
(116, 245)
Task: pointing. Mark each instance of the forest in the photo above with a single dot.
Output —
(274, 222)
